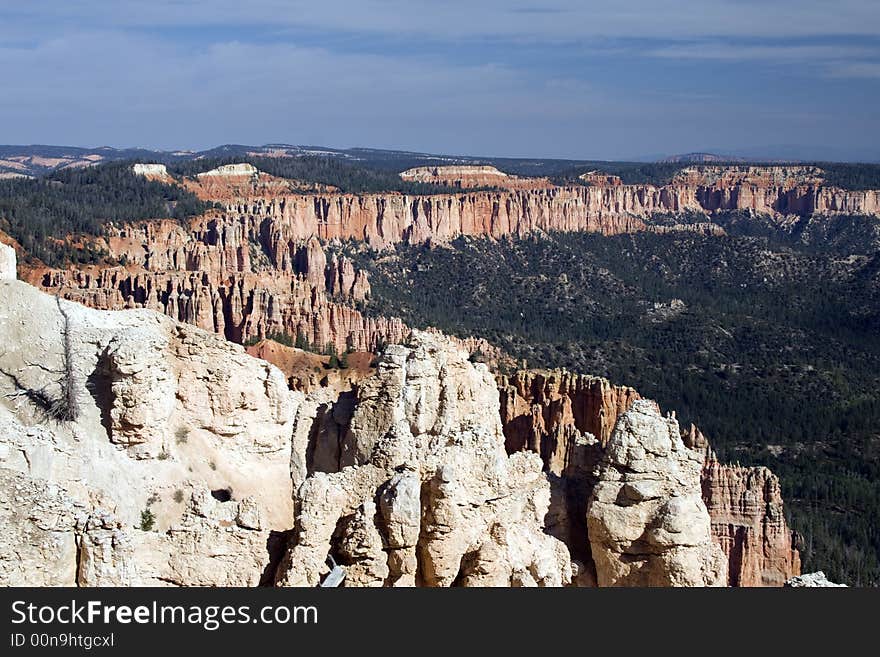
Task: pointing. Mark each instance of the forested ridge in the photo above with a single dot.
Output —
(773, 351)
(49, 216)
(347, 176)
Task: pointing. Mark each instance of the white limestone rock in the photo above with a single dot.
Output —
(809, 580)
(8, 270)
(167, 414)
(647, 523)
(425, 440)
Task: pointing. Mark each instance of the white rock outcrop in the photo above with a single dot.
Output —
(425, 493)
(150, 170)
(8, 270)
(647, 523)
(810, 580)
(241, 169)
(176, 469)
(188, 462)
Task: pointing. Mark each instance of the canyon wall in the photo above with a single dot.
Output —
(385, 219)
(222, 274)
(256, 268)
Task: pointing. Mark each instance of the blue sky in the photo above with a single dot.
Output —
(561, 78)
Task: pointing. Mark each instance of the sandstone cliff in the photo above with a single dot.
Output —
(745, 505)
(256, 268)
(413, 486)
(229, 277)
(602, 206)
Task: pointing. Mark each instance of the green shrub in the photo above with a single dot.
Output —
(148, 520)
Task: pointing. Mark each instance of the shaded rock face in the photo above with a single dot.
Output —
(538, 406)
(646, 520)
(166, 415)
(568, 419)
(424, 492)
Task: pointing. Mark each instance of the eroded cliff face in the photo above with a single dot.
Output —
(745, 505)
(647, 522)
(229, 276)
(412, 485)
(603, 206)
(256, 267)
(538, 406)
(182, 460)
(171, 467)
(568, 420)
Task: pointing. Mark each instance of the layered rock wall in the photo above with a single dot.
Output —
(385, 219)
(745, 505)
(256, 267)
(221, 276)
(411, 484)
(184, 461)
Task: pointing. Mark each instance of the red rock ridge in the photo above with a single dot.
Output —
(538, 406)
(216, 276)
(385, 219)
(745, 505)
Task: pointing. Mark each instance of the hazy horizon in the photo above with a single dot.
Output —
(559, 79)
(765, 154)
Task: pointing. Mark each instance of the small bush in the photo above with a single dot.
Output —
(148, 520)
(181, 435)
(178, 495)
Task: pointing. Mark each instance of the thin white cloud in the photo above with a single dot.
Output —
(779, 53)
(549, 20)
(856, 70)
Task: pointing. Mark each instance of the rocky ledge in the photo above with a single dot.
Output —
(136, 450)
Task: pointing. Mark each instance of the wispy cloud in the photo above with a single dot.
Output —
(552, 19)
(866, 70)
(776, 53)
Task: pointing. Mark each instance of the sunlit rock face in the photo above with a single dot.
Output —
(418, 489)
(647, 523)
